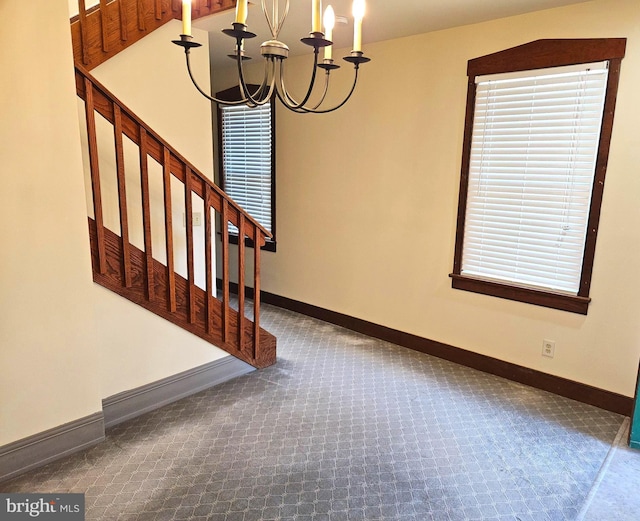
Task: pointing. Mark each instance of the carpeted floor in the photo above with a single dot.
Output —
(344, 427)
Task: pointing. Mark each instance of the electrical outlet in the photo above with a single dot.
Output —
(548, 348)
(196, 219)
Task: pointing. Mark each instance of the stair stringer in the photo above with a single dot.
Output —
(210, 330)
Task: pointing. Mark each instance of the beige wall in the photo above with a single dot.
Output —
(48, 350)
(367, 202)
(66, 343)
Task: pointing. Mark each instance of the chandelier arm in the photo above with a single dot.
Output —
(304, 110)
(248, 102)
(293, 105)
(287, 101)
(244, 90)
(258, 92)
(285, 98)
(209, 97)
(324, 92)
(272, 82)
(336, 107)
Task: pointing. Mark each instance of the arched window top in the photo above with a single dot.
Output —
(542, 54)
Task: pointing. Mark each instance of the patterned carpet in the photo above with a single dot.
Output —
(344, 428)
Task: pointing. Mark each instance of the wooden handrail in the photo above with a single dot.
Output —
(104, 101)
(246, 342)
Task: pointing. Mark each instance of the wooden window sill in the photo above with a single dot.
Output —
(571, 303)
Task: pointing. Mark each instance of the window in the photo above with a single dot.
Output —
(537, 133)
(246, 144)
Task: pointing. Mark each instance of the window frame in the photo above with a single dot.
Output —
(542, 54)
(233, 94)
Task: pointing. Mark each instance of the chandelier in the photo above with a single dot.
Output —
(275, 52)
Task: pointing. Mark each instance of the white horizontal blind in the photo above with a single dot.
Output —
(533, 153)
(246, 159)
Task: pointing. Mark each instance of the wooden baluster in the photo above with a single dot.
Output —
(208, 261)
(158, 9)
(103, 24)
(146, 214)
(225, 269)
(95, 175)
(196, 7)
(208, 4)
(241, 263)
(122, 195)
(142, 23)
(123, 21)
(82, 18)
(168, 225)
(256, 292)
(188, 209)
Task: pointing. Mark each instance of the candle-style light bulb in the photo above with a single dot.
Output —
(316, 16)
(329, 23)
(242, 8)
(358, 9)
(186, 17)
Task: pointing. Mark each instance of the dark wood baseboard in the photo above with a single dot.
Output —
(561, 386)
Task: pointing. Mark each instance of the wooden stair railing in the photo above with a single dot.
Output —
(102, 31)
(136, 274)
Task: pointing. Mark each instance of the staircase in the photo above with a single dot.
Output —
(102, 31)
(148, 273)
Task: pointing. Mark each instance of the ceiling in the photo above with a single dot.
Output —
(384, 20)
